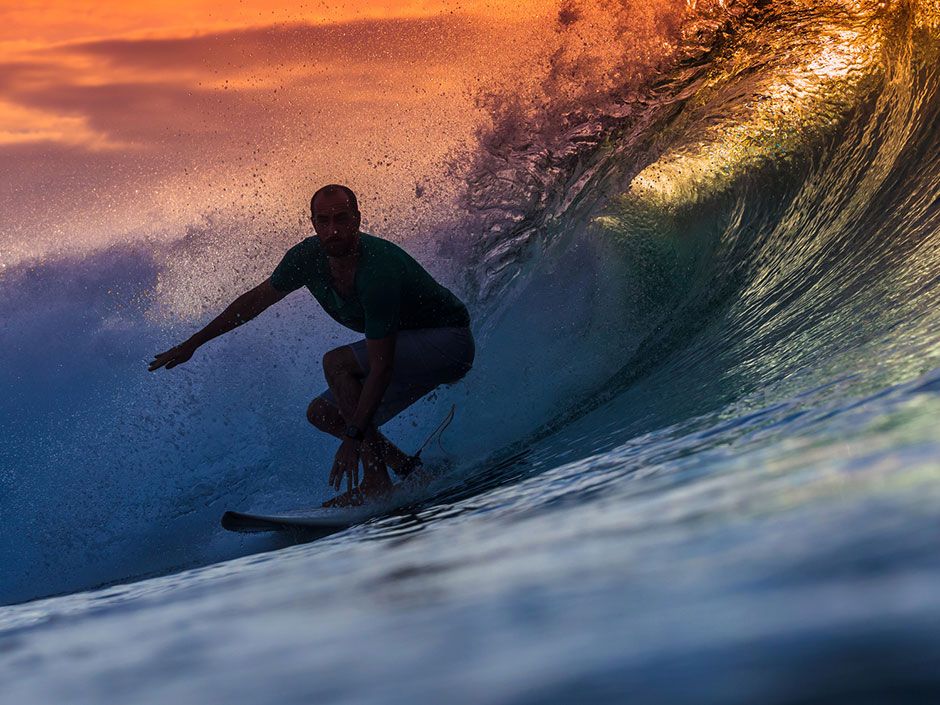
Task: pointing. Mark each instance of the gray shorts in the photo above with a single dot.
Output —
(424, 359)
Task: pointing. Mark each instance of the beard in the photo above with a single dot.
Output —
(339, 246)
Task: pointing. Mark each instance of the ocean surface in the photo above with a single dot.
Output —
(697, 461)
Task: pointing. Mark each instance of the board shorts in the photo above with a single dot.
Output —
(425, 358)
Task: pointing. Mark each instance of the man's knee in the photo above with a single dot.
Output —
(340, 361)
(321, 414)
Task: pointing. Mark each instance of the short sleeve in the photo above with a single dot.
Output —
(292, 272)
(381, 304)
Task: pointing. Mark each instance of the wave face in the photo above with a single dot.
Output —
(750, 222)
(766, 208)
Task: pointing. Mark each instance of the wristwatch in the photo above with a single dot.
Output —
(354, 432)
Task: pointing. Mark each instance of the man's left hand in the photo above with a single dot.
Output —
(346, 465)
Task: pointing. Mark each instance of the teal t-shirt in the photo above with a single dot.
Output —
(392, 291)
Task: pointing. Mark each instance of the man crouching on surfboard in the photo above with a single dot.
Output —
(417, 336)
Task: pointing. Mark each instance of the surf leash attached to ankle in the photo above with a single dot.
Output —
(414, 461)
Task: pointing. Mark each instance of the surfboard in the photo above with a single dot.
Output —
(321, 521)
(318, 521)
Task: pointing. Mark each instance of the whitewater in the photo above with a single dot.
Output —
(697, 460)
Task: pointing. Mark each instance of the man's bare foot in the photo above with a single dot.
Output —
(368, 490)
(349, 498)
(412, 463)
(372, 488)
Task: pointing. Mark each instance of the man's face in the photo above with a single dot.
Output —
(336, 223)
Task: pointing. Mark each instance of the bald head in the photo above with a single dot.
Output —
(333, 190)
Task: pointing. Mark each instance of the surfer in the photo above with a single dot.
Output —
(417, 337)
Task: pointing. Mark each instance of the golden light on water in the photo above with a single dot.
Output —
(805, 97)
(786, 105)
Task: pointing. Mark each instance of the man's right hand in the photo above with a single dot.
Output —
(242, 309)
(172, 357)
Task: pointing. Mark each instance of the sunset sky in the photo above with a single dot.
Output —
(45, 21)
(129, 120)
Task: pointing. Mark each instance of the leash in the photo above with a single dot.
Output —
(441, 427)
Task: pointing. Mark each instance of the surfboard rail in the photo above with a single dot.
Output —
(314, 521)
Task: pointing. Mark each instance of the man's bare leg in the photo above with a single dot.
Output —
(327, 418)
(342, 375)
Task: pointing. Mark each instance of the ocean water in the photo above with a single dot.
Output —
(697, 461)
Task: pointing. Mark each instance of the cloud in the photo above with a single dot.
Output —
(137, 91)
(19, 125)
(392, 40)
(119, 135)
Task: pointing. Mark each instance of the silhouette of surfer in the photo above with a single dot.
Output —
(417, 336)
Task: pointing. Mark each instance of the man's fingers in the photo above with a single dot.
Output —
(162, 359)
(336, 478)
(171, 358)
(345, 467)
(156, 364)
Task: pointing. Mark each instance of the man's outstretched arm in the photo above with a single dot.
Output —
(241, 310)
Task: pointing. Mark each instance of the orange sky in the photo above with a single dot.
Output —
(128, 120)
(48, 45)
(64, 20)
